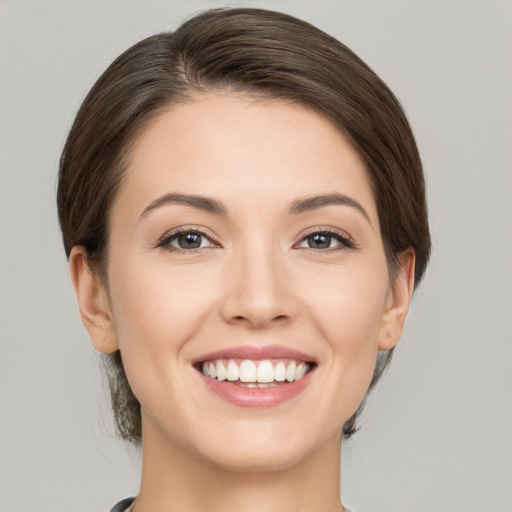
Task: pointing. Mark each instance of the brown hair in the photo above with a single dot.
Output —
(263, 53)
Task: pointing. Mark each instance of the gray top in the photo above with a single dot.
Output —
(122, 505)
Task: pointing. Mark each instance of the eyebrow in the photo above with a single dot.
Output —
(314, 202)
(216, 207)
(200, 202)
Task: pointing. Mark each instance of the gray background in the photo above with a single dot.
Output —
(436, 435)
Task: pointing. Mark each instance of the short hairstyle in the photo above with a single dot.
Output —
(265, 54)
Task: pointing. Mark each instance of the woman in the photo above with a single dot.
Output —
(243, 207)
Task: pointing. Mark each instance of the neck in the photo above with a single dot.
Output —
(174, 479)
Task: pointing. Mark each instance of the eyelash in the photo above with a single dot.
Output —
(170, 237)
(344, 241)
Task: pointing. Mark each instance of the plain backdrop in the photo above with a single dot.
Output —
(436, 435)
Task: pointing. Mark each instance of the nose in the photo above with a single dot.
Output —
(258, 290)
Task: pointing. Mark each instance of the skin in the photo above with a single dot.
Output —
(257, 282)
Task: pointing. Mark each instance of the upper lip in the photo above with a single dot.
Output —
(256, 353)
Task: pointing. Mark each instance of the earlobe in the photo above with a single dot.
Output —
(397, 305)
(93, 302)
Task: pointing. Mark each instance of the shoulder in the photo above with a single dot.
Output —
(122, 505)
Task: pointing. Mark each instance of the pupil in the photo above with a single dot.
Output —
(319, 241)
(190, 241)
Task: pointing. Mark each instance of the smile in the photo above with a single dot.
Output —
(256, 374)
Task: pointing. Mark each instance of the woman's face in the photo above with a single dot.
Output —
(245, 235)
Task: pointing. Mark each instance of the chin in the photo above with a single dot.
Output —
(263, 448)
(257, 459)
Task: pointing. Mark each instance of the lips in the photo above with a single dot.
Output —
(256, 376)
(256, 353)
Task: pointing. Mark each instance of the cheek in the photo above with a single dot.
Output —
(156, 307)
(157, 311)
(347, 312)
(348, 303)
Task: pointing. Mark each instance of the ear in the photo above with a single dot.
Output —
(397, 301)
(93, 302)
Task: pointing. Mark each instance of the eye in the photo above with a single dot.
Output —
(325, 239)
(186, 240)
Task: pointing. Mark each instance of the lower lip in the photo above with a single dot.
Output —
(256, 397)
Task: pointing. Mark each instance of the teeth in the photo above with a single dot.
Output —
(248, 371)
(257, 385)
(300, 371)
(255, 373)
(221, 371)
(233, 372)
(265, 372)
(290, 372)
(280, 372)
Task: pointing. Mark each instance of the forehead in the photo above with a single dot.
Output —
(243, 151)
